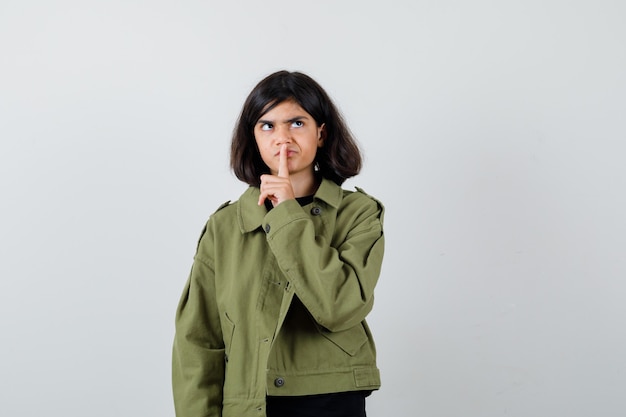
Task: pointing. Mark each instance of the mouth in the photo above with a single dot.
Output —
(289, 153)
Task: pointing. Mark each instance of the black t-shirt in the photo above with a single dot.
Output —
(338, 404)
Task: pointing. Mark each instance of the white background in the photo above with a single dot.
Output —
(494, 132)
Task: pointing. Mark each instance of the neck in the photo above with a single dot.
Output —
(304, 185)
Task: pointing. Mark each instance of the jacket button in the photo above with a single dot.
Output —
(267, 228)
(316, 211)
(279, 382)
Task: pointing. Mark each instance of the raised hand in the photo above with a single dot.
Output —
(277, 188)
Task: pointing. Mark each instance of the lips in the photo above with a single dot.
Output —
(290, 152)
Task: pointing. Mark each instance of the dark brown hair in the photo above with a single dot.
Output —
(338, 159)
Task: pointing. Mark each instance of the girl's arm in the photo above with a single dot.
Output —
(335, 281)
(198, 354)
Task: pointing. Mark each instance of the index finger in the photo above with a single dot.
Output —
(283, 168)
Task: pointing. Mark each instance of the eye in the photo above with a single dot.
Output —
(266, 126)
(297, 123)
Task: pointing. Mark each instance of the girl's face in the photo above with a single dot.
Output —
(289, 124)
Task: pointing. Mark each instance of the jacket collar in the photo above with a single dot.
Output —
(251, 215)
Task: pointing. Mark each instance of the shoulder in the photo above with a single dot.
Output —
(360, 197)
(359, 203)
(216, 221)
(225, 206)
(229, 207)
(223, 210)
(360, 194)
(339, 197)
(242, 215)
(212, 216)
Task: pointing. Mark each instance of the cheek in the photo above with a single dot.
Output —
(264, 152)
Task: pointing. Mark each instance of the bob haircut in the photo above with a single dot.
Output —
(338, 159)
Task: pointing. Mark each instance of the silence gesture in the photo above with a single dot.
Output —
(277, 188)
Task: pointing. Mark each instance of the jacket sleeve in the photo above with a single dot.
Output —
(198, 353)
(334, 280)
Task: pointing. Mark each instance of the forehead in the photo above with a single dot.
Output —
(285, 109)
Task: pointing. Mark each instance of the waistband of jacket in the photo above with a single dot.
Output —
(239, 407)
(351, 379)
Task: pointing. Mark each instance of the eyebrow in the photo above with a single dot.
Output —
(293, 119)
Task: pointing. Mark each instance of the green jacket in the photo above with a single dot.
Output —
(276, 301)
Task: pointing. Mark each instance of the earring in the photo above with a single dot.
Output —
(316, 167)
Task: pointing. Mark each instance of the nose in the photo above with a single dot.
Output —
(282, 135)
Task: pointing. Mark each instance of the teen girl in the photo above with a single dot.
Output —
(272, 318)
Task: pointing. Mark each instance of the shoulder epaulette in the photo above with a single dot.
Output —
(223, 205)
(205, 226)
(380, 204)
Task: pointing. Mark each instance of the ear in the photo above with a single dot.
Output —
(321, 135)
